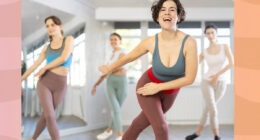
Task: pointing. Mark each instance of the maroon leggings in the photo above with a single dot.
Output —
(51, 89)
(153, 109)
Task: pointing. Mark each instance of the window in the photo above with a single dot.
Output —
(130, 39)
(31, 57)
(77, 74)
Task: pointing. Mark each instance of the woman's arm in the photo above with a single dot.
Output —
(36, 64)
(65, 54)
(101, 78)
(230, 60)
(214, 78)
(138, 51)
(93, 91)
(68, 48)
(119, 68)
(191, 65)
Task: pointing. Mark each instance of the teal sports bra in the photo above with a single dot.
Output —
(164, 73)
(52, 54)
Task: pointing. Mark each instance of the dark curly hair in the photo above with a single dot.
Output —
(156, 7)
(116, 34)
(210, 26)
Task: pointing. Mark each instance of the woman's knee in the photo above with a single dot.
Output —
(136, 125)
(49, 117)
(213, 113)
(161, 129)
(115, 112)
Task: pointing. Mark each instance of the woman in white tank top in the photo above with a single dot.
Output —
(213, 83)
(117, 87)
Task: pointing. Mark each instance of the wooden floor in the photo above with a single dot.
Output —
(176, 132)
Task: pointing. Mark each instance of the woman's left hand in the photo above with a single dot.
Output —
(214, 79)
(40, 72)
(149, 89)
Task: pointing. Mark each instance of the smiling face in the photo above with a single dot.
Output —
(52, 28)
(168, 16)
(211, 34)
(115, 41)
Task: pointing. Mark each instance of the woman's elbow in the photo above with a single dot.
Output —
(190, 80)
(230, 65)
(127, 59)
(63, 59)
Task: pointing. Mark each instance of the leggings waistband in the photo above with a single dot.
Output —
(156, 80)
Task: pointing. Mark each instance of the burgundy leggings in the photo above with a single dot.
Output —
(153, 109)
(51, 89)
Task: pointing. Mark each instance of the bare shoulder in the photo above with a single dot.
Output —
(190, 44)
(69, 42)
(226, 47)
(190, 41)
(45, 48)
(69, 38)
(148, 42)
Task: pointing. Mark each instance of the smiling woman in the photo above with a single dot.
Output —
(156, 8)
(174, 65)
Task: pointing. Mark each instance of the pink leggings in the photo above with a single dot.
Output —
(51, 89)
(153, 109)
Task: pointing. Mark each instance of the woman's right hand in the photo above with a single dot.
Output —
(93, 91)
(104, 69)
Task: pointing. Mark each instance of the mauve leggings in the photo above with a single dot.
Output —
(51, 89)
(153, 109)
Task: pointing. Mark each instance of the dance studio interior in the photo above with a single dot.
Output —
(82, 116)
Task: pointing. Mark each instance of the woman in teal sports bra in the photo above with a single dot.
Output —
(174, 66)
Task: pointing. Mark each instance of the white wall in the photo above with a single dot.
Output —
(187, 108)
(96, 46)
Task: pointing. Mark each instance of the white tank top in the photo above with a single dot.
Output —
(215, 62)
(115, 57)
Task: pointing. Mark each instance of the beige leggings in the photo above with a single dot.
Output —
(212, 95)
